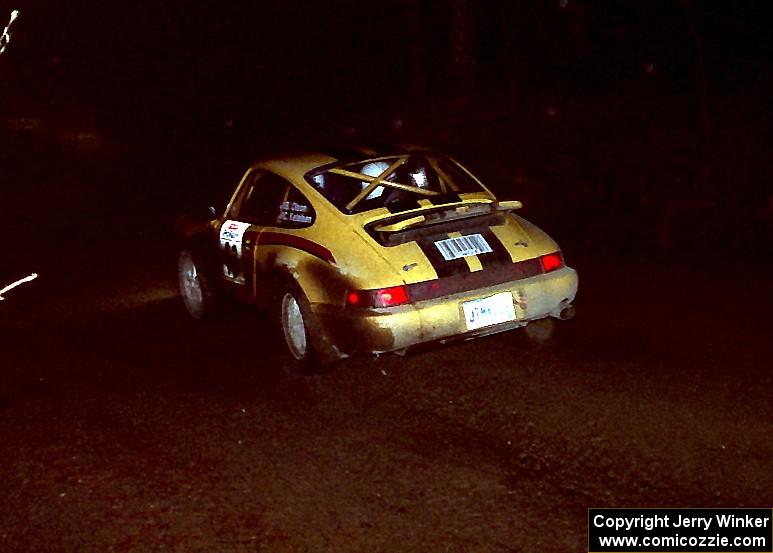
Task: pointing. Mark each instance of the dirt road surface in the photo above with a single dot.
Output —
(125, 426)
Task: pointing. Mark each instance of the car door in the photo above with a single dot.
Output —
(256, 206)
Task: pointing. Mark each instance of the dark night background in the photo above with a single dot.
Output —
(638, 134)
(651, 115)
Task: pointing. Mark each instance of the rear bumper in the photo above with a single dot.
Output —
(397, 328)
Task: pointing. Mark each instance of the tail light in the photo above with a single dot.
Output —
(383, 297)
(551, 261)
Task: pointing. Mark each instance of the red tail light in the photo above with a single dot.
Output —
(357, 298)
(384, 297)
(396, 295)
(551, 261)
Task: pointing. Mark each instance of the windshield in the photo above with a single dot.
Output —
(394, 182)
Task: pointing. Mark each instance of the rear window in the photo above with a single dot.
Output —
(395, 182)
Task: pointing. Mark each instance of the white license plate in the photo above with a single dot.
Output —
(462, 246)
(489, 311)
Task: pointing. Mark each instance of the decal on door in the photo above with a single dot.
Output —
(231, 235)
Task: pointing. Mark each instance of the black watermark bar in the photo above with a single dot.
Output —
(680, 530)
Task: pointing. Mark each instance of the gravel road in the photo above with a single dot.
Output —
(125, 426)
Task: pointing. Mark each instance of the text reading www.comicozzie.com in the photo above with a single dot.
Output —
(680, 530)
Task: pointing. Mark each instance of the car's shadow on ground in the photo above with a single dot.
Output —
(150, 347)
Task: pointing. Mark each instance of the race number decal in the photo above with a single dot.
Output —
(231, 234)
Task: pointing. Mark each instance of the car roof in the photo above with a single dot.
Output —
(294, 166)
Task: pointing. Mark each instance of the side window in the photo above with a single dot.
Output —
(260, 201)
(295, 211)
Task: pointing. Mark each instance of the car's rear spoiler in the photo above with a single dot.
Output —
(397, 230)
(442, 214)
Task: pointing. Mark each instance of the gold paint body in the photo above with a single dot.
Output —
(361, 263)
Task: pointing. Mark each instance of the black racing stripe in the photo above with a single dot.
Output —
(498, 255)
(442, 267)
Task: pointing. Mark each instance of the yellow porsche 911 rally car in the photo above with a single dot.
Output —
(371, 252)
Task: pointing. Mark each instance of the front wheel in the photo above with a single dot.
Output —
(198, 296)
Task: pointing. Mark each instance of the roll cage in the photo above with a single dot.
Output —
(399, 173)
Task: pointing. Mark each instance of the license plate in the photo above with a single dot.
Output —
(489, 311)
(462, 246)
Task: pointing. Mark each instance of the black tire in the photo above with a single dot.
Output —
(198, 295)
(541, 331)
(299, 333)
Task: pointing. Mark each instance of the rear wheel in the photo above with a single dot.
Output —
(198, 296)
(298, 330)
(541, 331)
(294, 328)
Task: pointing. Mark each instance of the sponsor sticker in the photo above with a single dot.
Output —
(463, 246)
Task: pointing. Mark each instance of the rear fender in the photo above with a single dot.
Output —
(320, 281)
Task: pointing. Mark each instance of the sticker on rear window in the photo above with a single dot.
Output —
(463, 246)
